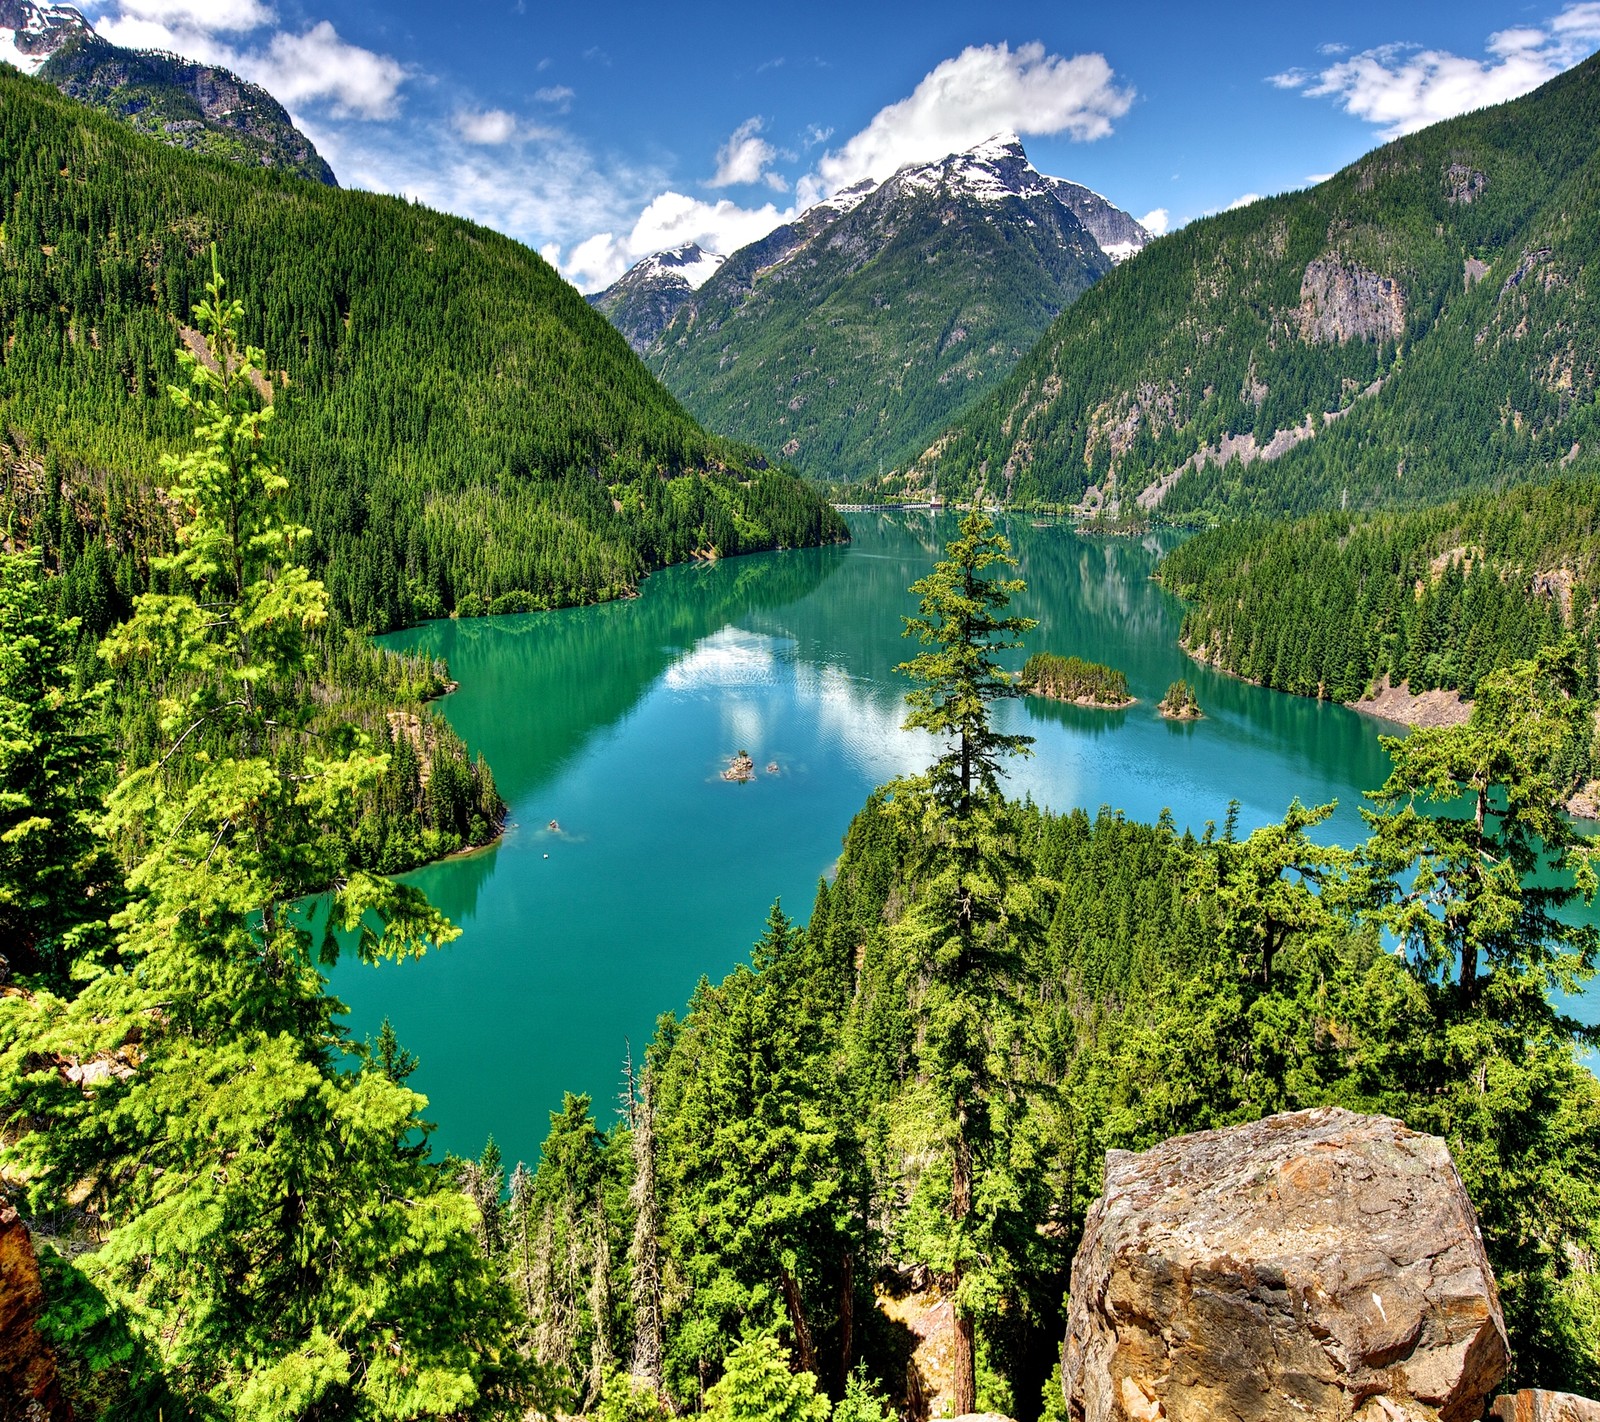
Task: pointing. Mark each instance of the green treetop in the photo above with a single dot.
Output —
(54, 872)
(962, 620)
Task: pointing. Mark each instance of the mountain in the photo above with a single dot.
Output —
(645, 298)
(200, 107)
(1421, 324)
(1119, 235)
(462, 430)
(845, 338)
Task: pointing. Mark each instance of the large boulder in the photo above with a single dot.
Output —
(1317, 1264)
(29, 1388)
(1537, 1405)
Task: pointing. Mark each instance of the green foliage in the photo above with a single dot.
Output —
(760, 1169)
(1331, 605)
(1179, 703)
(463, 425)
(54, 872)
(245, 1197)
(1202, 335)
(759, 1387)
(624, 1400)
(962, 614)
(844, 342)
(1074, 679)
(863, 1401)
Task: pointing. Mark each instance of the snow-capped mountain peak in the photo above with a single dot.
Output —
(991, 171)
(689, 262)
(30, 33)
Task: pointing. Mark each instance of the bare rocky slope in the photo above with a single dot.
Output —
(1422, 323)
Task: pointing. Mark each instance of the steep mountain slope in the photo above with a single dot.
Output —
(201, 107)
(845, 338)
(647, 296)
(463, 430)
(1421, 323)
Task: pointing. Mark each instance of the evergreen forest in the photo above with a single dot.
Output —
(464, 433)
(1333, 604)
(1418, 325)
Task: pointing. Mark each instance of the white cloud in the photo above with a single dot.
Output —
(319, 66)
(1399, 88)
(1243, 201)
(986, 89)
(557, 94)
(1156, 221)
(207, 16)
(669, 220)
(744, 158)
(487, 126)
(315, 66)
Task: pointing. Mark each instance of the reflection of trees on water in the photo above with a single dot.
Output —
(537, 688)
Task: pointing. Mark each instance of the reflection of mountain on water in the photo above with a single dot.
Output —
(575, 673)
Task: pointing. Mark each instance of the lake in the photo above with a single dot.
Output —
(616, 722)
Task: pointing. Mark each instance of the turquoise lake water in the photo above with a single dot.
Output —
(616, 722)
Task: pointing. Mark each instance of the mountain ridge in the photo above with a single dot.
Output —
(1413, 327)
(187, 104)
(848, 334)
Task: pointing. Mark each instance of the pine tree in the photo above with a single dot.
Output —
(758, 1386)
(962, 931)
(265, 1228)
(644, 1252)
(55, 876)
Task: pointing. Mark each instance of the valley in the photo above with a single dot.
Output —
(633, 790)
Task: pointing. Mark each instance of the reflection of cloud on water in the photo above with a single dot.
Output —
(731, 657)
(864, 721)
(745, 724)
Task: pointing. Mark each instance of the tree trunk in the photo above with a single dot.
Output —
(964, 1360)
(805, 1352)
(644, 1254)
(847, 1316)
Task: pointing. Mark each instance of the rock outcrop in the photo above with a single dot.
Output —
(1342, 301)
(1536, 1405)
(29, 1387)
(1313, 1265)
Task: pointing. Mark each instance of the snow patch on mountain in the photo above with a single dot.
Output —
(690, 263)
(991, 172)
(31, 33)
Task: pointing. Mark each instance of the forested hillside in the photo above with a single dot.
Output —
(1421, 324)
(1330, 604)
(466, 433)
(843, 340)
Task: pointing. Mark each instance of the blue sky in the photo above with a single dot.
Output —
(600, 132)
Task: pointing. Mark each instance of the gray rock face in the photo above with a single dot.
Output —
(1120, 236)
(1341, 301)
(1315, 1265)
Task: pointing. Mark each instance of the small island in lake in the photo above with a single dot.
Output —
(741, 767)
(1179, 703)
(1073, 679)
